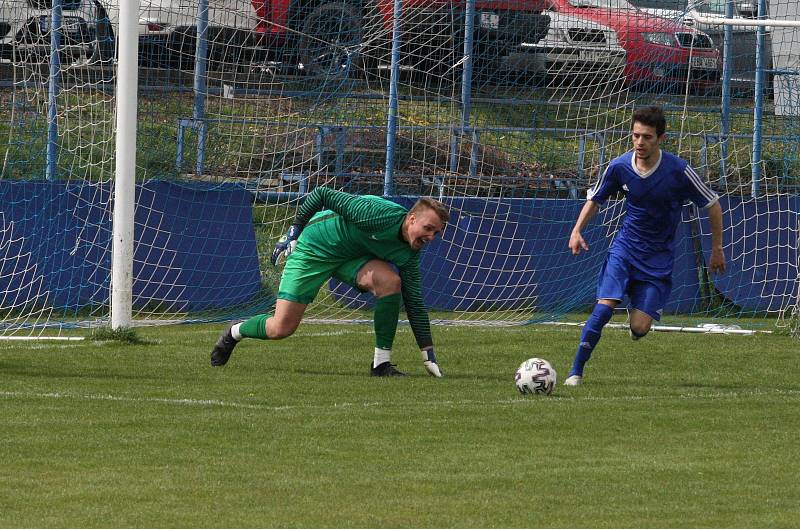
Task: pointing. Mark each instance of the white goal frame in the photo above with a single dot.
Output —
(127, 109)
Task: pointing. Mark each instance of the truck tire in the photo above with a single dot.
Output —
(331, 40)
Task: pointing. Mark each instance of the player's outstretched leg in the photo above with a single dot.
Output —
(601, 314)
(223, 348)
(255, 327)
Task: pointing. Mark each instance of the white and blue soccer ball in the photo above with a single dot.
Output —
(535, 376)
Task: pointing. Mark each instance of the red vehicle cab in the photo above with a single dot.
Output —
(661, 54)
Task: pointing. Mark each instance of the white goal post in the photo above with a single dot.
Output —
(125, 174)
(786, 20)
(126, 104)
(755, 22)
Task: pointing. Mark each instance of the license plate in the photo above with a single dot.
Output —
(705, 63)
(70, 23)
(490, 20)
(592, 55)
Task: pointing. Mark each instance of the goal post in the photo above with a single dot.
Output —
(125, 169)
(783, 19)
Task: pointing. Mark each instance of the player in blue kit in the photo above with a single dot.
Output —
(656, 184)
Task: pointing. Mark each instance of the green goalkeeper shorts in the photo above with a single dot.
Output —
(304, 275)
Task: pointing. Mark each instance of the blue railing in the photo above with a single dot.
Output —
(600, 138)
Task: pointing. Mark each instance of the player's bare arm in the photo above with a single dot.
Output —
(576, 241)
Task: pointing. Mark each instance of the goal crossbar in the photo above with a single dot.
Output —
(764, 22)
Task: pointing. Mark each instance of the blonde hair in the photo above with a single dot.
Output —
(437, 207)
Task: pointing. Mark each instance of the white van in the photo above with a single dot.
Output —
(25, 30)
(167, 30)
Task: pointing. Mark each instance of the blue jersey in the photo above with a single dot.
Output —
(654, 201)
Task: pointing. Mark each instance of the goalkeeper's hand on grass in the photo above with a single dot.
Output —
(286, 244)
(429, 361)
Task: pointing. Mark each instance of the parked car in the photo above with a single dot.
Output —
(25, 28)
(747, 8)
(168, 28)
(433, 33)
(576, 51)
(328, 37)
(688, 12)
(661, 54)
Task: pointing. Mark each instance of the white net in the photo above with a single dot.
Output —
(245, 106)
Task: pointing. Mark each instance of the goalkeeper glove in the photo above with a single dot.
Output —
(429, 361)
(286, 244)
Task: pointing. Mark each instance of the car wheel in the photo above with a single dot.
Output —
(329, 46)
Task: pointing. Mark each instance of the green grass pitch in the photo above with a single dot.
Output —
(673, 431)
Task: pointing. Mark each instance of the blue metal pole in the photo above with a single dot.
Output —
(303, 185)
(727, 66)
(455, 136)
(391, 125)
(601, 160)
(473, 154)
(179, 147)
(466, 84)
(200, 89)
(466, 77)
(53, 90)
(758, 110)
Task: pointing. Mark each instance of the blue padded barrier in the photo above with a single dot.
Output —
(194, 246)
(196, 250)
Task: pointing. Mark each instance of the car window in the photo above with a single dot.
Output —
(714, 7)
(607, 4)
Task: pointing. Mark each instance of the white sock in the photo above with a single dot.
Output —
(381, 356)
(235, 332)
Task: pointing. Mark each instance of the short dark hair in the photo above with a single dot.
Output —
(652, 117)
(429, 203)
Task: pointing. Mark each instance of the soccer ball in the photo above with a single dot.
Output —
(535, 376)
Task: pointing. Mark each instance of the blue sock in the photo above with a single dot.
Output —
(590, 336)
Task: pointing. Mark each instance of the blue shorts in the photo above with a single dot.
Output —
(647, 293)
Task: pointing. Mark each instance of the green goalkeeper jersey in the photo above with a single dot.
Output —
(341, 227)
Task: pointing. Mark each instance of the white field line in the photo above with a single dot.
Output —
(49, 346)
(328, 333)
(101, 342)
(732, 395)
(43, 338)
(706, 328)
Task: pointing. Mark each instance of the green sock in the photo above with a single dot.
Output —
(387, 310)
(255, 327)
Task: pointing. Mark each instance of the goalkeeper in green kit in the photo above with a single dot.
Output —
(367, 242)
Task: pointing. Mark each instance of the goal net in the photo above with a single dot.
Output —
(507, 111)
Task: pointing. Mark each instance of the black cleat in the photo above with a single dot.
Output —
(223, 348)
(385, 369)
